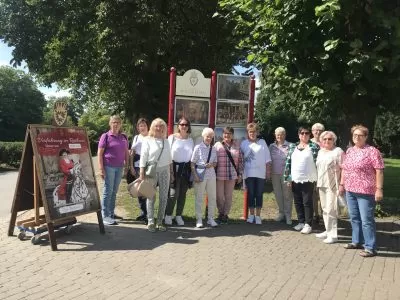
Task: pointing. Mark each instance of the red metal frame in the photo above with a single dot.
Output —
(171, 106)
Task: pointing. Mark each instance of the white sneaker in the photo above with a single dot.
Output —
(322, 235)
(250, 219)
(330, 240)
(179, 221)
(279, 218)
(258, 220)
(306, 229)
(298, 227)
(109, 221)
(199, 223)
(168, 220)
(212, 222)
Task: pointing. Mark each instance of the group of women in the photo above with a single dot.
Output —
(297, 170)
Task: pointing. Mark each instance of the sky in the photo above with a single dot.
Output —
(5, 58)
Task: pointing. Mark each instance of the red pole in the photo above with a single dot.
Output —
(250, 119)
(171, 103)
(252, 95)
(213, 99)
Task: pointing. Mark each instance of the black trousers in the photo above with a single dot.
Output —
(303, 201)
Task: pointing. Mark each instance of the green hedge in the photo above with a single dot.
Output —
(11, 153)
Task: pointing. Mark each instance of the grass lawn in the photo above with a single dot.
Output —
(391, 203)
(391, 187)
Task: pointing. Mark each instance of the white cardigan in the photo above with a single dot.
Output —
(151, 148)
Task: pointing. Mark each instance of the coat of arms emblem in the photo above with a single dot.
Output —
(193, 78)
(60, 112)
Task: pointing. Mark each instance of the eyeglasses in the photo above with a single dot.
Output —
(305, 133)
(184, 125)
(358, 135)
(327, 139)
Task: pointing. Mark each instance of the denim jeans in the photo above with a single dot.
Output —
(255, 189)
(112, 179)
(362, 216)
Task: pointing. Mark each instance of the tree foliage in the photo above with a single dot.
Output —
(333, 61)
(117, 52)
(75, 109)
(21, 103)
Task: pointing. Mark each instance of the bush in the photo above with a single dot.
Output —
(11, 153)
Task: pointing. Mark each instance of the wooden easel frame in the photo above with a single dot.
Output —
(30, 194)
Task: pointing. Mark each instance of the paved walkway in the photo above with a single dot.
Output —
(234, 261)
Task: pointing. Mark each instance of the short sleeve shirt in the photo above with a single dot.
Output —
(114, 149)
(359, 169)
(200, 155)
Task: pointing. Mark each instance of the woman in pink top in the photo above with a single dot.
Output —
(362, 179)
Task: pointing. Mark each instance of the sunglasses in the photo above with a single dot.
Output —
(328, 139)
(184, 124)
(305, 133)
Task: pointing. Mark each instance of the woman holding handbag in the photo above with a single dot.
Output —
(155, 164)
(329, 161)
(229, 172)
(142, 127)
(181, 148)
(203, 162)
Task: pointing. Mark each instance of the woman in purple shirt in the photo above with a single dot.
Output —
(113, 155)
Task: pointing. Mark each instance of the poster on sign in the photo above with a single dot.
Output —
(195, 109)
(232, 113)
(233, 87)
(66, 174)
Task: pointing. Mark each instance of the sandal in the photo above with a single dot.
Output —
(367, 253)
(353, 246)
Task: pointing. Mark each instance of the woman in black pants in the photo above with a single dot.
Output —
(301, 174)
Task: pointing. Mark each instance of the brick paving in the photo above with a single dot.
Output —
(235, 261)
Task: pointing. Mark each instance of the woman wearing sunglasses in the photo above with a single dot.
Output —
(329, 162)
(301, 174)
(181, 149)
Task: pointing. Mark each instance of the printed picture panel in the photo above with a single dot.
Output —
(233, 87)
(196, 110)
(66, 171)
(232, 113)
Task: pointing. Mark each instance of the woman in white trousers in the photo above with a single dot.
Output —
(329, 162)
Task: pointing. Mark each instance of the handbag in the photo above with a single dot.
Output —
(144, 188)
(201, 169)
(151, 166)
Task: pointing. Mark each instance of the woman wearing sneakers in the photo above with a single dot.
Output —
(181, 149)
(301, 174)
(329, 162)
(142, 127)
(203, 162)
(257, 168)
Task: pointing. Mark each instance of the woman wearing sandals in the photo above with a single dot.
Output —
(229, 171)
(155, 149)
(362, 181)
(181, 148)
(329, 162)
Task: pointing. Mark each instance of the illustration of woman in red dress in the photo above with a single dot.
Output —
(66, 165)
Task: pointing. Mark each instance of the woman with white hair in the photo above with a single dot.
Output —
(203, 162)
(329, 163)
(283, 195)
(156, 150)
(316, 130)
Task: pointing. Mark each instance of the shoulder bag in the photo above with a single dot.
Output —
(151, 166)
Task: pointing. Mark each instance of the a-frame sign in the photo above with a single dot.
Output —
(56, 172)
